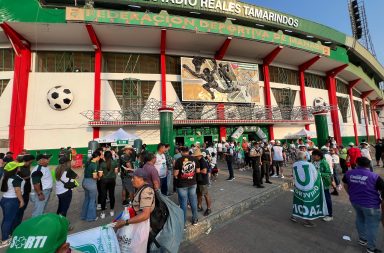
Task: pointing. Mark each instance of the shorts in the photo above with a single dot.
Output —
(202, 189)
(278, 163)
(127, 184)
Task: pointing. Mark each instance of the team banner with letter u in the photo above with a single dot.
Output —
(309, 200)
(100, 239)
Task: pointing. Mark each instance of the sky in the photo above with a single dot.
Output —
(333, 13)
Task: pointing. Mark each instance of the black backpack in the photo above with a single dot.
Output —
(159, 214)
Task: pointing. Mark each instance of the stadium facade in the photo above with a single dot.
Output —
(213, 65)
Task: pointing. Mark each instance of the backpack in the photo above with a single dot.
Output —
(159, 214)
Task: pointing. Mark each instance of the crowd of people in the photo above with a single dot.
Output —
(364, 187)
(189, 173)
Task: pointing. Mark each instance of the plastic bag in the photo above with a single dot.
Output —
(134, 237)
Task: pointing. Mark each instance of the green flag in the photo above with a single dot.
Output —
(308, 200)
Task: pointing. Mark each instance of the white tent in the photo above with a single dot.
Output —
(119, 135)
(301, 133)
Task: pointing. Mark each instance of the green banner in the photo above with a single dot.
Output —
(193, 24)
(308, 200)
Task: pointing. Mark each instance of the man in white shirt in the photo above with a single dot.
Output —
(41, 179)
(278, 159)
(161, 166)
(365, 153)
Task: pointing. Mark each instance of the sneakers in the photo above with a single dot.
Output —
(200, 209)
(207, 212)
(282, 176)
(230, 179)
(194, 222)
(5, 243)
(112, 213)
(274, 175)
(373, 251)
(98, 208)
(363, 242)
(102, 215)
(328, 218)
(268, 182)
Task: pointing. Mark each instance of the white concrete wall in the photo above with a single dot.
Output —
(5, 110)
(48, 128)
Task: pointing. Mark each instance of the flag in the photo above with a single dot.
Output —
(309, 199)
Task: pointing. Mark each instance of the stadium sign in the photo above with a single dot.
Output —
(198, 25)
(228, 7)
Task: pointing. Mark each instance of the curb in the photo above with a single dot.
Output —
(230, 212)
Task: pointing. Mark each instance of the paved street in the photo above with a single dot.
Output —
(268, 229)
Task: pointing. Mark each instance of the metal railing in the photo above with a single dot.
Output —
(205, 111)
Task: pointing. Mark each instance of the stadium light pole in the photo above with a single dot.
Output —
(22, 67)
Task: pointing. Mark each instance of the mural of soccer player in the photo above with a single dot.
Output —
(224, 73)
(209, 78)
(198, 61)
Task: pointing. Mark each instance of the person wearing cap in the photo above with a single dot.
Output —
(202, 183)
(186, 168)
(324, 170)
(161, 166)
(303, 148)
(352, 154)
(143, 203)
(88, 211)
(65, 182)
(228, 153)
(365, 153)
(12, 188)
(327, 157)
(25, 173)
(364, 189)
(52, 239)
(277, 158)
(126, 169)
(41, 179)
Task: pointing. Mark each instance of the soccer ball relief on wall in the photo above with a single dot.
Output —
(59, 98)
